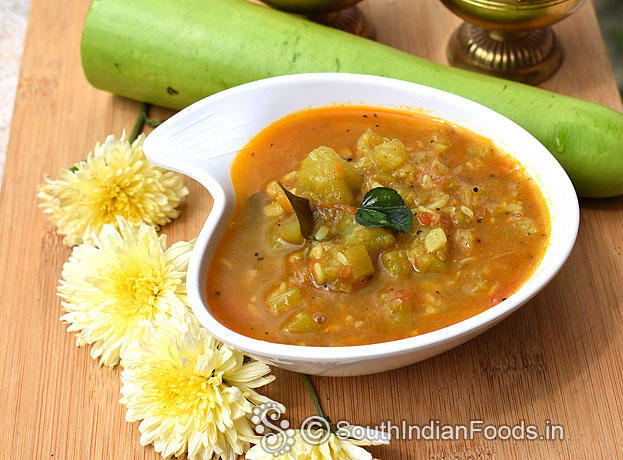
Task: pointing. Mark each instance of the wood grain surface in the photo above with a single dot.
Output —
(557, 360)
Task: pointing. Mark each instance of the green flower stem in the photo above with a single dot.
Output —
(314, 396)
(153, 123)
(137, 129)
(143, 119)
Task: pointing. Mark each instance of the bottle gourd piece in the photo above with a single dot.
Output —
(174, 53)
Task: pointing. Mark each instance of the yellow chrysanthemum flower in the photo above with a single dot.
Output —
(193, 394)
(313, 445)
(125, 277)
(115, 180)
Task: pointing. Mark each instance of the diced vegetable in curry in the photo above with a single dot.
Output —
(411, 224)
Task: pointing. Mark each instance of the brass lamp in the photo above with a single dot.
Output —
(341, 14)
(509, 38)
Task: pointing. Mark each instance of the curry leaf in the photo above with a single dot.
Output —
(303, 212)
(384, 207)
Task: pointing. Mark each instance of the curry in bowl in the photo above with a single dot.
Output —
(356, 225)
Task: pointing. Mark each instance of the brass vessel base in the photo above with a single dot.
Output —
(530, 57)
(351, 20)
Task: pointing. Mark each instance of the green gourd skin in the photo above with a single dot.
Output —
(173, 53)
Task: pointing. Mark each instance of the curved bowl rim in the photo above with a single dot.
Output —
(345, 354)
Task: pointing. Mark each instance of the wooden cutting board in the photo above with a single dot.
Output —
(556, 361)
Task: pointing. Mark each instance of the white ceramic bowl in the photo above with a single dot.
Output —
(203, 139)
